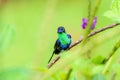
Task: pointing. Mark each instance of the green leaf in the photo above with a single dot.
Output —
(97, 59)
(98, 77)
(113, 16)
(6, 37)
(97, 69)
(14, 74)
(114, 12)
(116, 68)
(83, 65)
(115, 6)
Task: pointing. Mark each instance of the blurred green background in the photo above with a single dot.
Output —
(34, 25)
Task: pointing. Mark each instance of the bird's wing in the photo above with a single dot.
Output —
(57, 44)
(69, 36)
(57, 47)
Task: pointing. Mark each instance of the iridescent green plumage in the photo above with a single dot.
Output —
(63, 37)
(62, 43)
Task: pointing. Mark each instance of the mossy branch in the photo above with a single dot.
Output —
(80, 40)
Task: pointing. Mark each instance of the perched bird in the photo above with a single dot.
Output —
(62, 43)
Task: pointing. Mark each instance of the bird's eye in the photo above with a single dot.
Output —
(62, 29)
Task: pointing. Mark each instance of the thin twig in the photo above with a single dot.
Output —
(53, 62)
(77, 42)
(94, 33)
(69, 73)
(80, 40)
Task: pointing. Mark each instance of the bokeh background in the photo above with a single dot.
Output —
(29, 30)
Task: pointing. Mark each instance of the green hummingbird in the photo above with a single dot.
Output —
(62, 43)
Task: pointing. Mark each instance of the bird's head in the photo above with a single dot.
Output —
(61, 29)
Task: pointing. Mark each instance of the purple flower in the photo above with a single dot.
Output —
(94, 23)
(84, 23)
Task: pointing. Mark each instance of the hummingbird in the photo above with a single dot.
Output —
(62, 43)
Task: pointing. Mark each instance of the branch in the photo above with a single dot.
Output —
(53, 62)
(94, 33)
(80, 40)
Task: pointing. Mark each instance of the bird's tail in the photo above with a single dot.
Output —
(51, 56)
